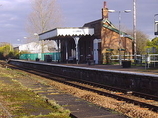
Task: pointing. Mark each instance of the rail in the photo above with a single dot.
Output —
(98, 88)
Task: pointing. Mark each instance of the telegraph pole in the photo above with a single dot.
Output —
(134, 30)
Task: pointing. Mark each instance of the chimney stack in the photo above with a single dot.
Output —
(104, 11)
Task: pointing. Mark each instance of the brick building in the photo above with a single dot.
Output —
(97, 39)
(111, 39)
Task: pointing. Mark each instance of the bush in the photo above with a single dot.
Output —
(6, 52)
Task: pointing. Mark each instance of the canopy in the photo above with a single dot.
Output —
(72, 31)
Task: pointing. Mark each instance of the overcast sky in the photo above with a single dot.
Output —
(13, 15)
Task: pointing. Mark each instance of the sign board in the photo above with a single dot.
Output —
(148, 50)
(153, 49)
(156, 28)
(109, 49)
(122, 49)
(71, 31)
(125, 35)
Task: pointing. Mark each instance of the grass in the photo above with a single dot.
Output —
(24, 103)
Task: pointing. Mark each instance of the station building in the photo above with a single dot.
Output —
(96, 40)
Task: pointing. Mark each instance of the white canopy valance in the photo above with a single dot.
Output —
(73, 31)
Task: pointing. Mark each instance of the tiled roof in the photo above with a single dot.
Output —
(110, 26)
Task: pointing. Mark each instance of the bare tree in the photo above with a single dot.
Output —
(45, 15)
(141, 41)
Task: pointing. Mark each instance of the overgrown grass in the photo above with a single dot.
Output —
(24, 103)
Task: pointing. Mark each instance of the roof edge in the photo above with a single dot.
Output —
(117, 31)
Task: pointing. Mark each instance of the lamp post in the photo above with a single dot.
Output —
(120, 33)
(42, 42)
(155, 25)
(10, 47)
(19, 40)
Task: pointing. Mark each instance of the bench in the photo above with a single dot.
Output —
(91, 62)
(71, 60)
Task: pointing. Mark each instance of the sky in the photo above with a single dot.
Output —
(14, 13)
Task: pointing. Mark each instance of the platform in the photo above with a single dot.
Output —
(79, 108)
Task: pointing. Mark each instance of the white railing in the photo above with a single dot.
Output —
(147, 59)
(124, 57)
(151, 58)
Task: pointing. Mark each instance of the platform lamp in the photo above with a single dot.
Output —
(42, 42)
(19, 40)
(120, 33)
(155, 25)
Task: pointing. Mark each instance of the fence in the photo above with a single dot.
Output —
(55, 56)
(148, 59)
(126, 57)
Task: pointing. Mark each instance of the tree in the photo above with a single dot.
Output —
(141, 41)
(6, 51)
(153, 44)
(45, 16)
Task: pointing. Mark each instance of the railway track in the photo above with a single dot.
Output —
(141, 99)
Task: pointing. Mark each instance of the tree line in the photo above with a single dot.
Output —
(7, 52)
(144, 45)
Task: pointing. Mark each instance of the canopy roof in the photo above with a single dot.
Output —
(66, 31)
